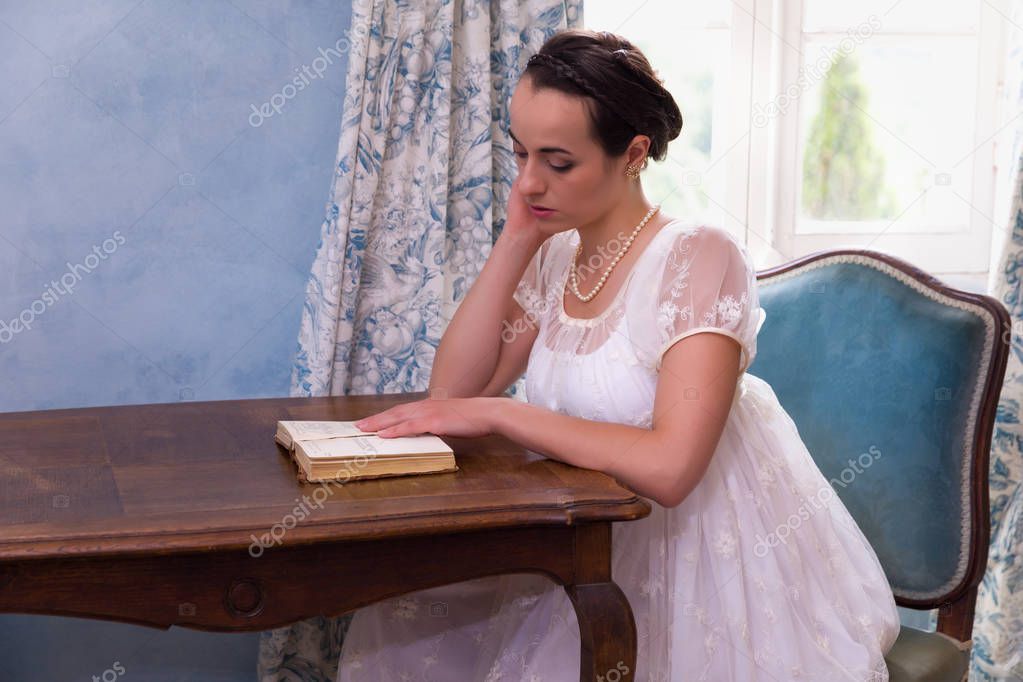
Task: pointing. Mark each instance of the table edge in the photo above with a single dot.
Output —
(393, 527)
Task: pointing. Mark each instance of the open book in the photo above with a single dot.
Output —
(326, 451)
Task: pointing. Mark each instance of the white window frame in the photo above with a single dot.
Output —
(773, 179)
(762, 163)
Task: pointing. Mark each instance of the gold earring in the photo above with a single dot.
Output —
(632, 171)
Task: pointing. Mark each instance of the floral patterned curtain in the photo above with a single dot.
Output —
(998, 626)
(423, 172)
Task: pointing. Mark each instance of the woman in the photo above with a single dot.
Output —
(635, 331)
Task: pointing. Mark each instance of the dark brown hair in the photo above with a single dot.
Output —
(624, 96)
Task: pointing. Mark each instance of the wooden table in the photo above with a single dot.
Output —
(185, 514)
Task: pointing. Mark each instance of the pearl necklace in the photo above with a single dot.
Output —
(573, 277)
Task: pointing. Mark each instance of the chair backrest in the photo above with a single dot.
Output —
(892, 379)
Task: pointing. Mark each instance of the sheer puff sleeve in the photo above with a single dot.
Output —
(531, 291)
(707, 284)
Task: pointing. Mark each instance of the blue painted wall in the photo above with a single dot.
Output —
(156, 233)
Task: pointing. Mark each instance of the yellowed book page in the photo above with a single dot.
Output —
(371, 446)
(312, 430)
(379, 469)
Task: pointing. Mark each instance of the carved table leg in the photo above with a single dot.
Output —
(607, 628)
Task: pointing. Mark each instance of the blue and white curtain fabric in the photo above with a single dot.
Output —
(998, 625)
(418, 197)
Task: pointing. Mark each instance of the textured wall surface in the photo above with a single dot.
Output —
(164, 167)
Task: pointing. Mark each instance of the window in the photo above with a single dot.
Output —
(814, 124)
(690, 44)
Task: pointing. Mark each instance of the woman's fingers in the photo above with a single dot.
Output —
(391, 416)
(410, 427)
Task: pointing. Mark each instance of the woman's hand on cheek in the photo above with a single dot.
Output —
(519, 220)
(460, 417)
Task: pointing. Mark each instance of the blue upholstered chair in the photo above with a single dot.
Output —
(879, 363)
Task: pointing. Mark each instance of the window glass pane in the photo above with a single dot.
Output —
(886, 133)
(660, 17)
(892, 15)
(689, 183)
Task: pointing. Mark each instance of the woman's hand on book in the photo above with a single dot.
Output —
(459, 417)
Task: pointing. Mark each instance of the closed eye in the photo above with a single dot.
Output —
(560, 169)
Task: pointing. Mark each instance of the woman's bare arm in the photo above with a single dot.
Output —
(695, 388)
(471, 345)
(469, 360)
(519, 331)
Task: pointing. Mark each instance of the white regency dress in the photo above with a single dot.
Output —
(759, 575)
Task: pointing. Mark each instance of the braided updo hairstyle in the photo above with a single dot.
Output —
(624, 96)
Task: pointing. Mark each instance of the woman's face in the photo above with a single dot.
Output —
(560, 166)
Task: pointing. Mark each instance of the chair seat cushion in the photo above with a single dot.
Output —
(919, 656)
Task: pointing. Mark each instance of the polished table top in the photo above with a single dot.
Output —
(172, 477)
(190, 515)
